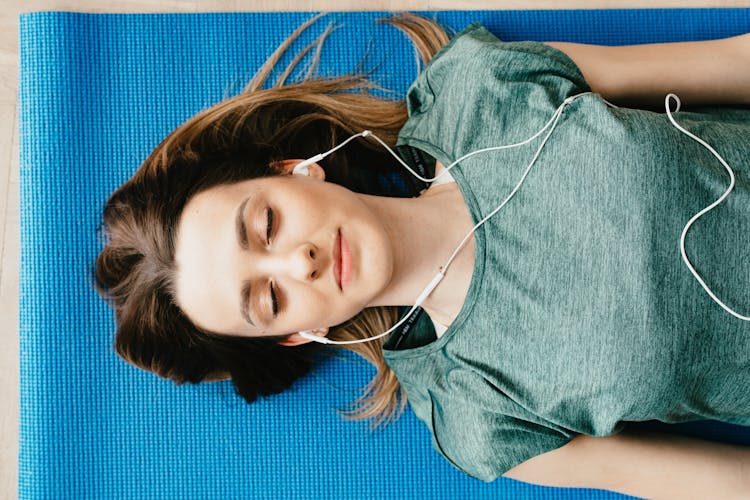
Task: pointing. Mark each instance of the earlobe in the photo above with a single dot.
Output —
(296, 339)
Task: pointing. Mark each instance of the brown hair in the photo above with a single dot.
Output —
(240, 138)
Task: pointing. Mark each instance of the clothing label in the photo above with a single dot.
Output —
(422, 163)
(401, 333)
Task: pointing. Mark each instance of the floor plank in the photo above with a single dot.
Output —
(7, 124)
(9, 349)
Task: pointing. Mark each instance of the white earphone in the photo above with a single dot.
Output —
(302, 169)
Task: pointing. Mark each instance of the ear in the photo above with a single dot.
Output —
(297, 339)
(287, 166)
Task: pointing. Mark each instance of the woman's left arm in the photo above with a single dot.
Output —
(713, 72)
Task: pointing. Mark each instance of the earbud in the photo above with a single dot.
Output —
(301, 168)
(307, 334)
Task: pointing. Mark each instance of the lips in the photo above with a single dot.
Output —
(345, 254)
(342, 261)
(337, 259)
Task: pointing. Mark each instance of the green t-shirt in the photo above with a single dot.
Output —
(581, 315)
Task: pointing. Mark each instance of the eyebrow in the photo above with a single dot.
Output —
(245, 302)
(239, 224)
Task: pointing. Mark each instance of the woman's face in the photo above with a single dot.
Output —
(229, 270)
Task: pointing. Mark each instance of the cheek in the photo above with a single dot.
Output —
(304, 306)
(317, 309)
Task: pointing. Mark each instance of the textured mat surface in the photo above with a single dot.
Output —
(97, 93)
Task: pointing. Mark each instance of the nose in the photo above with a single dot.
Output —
(302, 263)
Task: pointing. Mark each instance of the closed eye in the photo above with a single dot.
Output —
(269, 226)
(269, 230)
(274, 301)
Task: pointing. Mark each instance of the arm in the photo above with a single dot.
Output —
(700, 73)
(645, 464)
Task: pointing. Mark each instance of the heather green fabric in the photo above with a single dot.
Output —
(581, 315)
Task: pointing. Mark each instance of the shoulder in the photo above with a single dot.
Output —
(485, 440)
(477, 50)
(478, 77)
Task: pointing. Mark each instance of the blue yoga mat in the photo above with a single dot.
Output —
(97, 94)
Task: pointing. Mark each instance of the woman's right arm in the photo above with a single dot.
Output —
(707, 72)
(644, 464)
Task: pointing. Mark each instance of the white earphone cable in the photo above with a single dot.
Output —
(441, 270)
(710, 207)
(553, 123)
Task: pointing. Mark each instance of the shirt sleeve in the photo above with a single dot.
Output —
(485, 444)
(476, 58)
(477, 81)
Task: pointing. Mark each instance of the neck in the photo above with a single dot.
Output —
(424, 232)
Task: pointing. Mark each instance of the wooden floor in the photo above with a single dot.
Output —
(9, 211)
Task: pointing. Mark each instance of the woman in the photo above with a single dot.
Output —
(562, 318)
